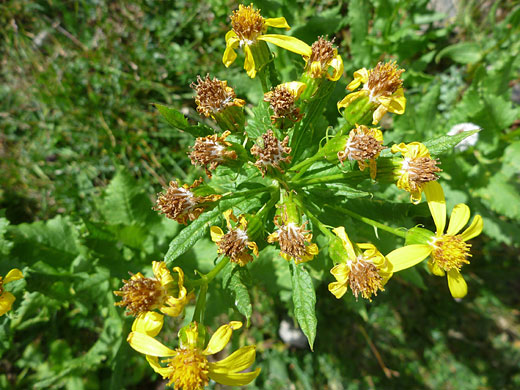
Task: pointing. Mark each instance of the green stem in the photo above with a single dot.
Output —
(368, 221)
(338, 177)
(275, 197)
(198, 314)
(302, 167)
(324, 229)
(207, 278)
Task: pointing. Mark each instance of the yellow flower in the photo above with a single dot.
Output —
(249, 27)
(235, 243)
(141, 294)
(417, 169)
(295, 241)
(188, 368)
(364, 269)
(324, 56)
(363, 144)
(383, 87)
(448, 251)
(6, 298)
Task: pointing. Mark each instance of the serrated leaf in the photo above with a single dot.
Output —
(125, 202)
(304, 300)
(463, 53)
(440, 145)
(238, 281)
(54, 242)
(502, 196)
(260, 122)
(177, 120)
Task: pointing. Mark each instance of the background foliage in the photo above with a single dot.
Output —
(83, 152)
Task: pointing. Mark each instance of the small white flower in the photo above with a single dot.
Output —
(466, 142)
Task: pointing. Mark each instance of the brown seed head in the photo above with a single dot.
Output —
(361, 145)
(234, 245)
(281, 101)
(211, 151)
(273, 152)
(247, 23)
(450, 252)
(213, 96)
(141, 294)
(323, 52)
(364, 279)
(384, 79)
(420, 170)
(180, 204)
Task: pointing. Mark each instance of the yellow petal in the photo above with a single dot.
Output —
(148, 345)
(312, 249)
(216, 233)
(458, 219)
(252, 245)
(399, 148)
(238, 361)
(337, 66)
(350, 98)
(395, 103)
(338, 289)
(378, 114)
(149, 323)
(437, 204)
(457, 284)
(232, 42)
(408, 256)
(340, 232)
(240, 379)
(288, 43)
(154, 363)
(161, 272)
(14, 274)
(249, 63)
(295, 88)
(474, 229)
(6, 302)
(277, 22)
(360, 76)
(415, 196)
(273, 237)
(435, 269)
(221, 337)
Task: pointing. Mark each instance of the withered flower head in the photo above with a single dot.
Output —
(272, 153)
(214, 96)
(236, 243)
(384, 80)
(294, 240)
(323, 56)
(163, 292)
(180, 203)
(363, 144)
(282, 100)
(212, 151)
(416, 169)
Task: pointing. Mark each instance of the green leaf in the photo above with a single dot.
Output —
(464, 53)
(358, 18)
(5, 245)
(502, 196)
(413, 276)
(238, 280)
(304, 300)
(260, 122)
(328, 190)
(440, 145)
(426, 110)
(177, 120)
(126, 203)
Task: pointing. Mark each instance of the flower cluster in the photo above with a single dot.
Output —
(270, 179)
